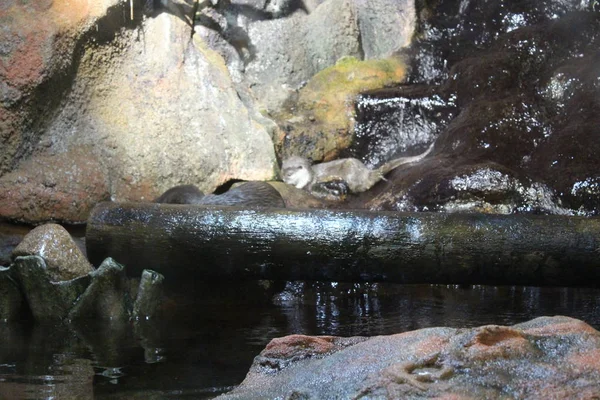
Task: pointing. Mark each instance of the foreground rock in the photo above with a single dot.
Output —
(548, 357)
(11, 299)
(104, 294)
(46, 299)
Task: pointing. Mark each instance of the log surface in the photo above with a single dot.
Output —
(200, 242)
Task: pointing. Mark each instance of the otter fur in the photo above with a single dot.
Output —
(183, 194)
(298, 171)
(247, 194)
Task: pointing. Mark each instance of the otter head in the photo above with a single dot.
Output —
(296, 171)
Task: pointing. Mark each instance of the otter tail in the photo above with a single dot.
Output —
(393, 164)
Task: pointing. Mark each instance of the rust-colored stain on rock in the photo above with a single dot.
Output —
(295, 345)
(492, 342)
(565, 328)
(588, 360)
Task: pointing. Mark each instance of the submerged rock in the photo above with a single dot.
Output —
(548, 357)
(149, 295)
(107, 296)
(64, 261)
(47, 299)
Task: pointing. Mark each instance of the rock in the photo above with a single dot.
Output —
(162, 112)
(47, 300)
(436, 184)
(281, 54)
(514, 121)
(149, 295)
(64, 261)
(289, 51)
(35, 55)
(60, 187)
(106, 297)
(11, 298)
(320, 123)
(136, 117)
(548, 357)
(386, 26)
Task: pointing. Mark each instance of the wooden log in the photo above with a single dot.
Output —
(199, 242)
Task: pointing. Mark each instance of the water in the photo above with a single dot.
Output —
(209, 334)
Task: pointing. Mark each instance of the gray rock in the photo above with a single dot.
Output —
(107, 296)
(291, 50)
(386, 26)
(47, 299)
(63, 259)
(149, 295)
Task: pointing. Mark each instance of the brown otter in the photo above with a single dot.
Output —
(248, 194)
(183, 194)
(299, 172)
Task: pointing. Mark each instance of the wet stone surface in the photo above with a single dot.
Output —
(54, 244)
(513, 106)
(545, 357)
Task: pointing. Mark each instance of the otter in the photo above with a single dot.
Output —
(299, 172)
(248, 194)
(183, 194)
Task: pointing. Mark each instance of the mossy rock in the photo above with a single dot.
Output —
(319, 122)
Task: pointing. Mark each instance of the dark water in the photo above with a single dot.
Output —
(208, 336)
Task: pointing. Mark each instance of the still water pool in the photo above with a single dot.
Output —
(208, 335)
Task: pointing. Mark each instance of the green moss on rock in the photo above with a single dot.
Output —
(320, 122)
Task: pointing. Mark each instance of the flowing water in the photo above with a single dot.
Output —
(209, 335)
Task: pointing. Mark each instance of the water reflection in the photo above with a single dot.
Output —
(208, 335)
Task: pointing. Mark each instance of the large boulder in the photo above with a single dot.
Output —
(289, 51)
(147, 109)
(548, 357)
(38, 41)
(386, 26)
(164, 112)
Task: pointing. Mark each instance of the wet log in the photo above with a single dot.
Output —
(200, 242)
